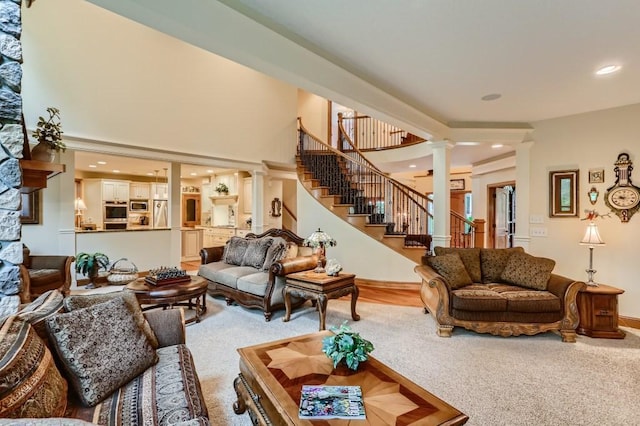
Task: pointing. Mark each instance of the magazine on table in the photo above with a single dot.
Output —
(331, 402)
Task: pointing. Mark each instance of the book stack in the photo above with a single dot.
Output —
(331, 402)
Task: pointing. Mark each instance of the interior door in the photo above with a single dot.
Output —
(501, 218)
(190, 210)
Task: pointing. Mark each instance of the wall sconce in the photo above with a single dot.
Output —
(593, 195)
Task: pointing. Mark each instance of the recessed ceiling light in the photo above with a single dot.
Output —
(116, 171)
(92, 166)
(468, 143)
(102, 162)
(209, 171)
(497, 145)
(608, 69)
(412, 166)
(491, 97)
(149, 174)
(193, 174)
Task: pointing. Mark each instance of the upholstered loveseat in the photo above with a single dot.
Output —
(251, 271)
(499, 291)
(46, 272)
(103, 362)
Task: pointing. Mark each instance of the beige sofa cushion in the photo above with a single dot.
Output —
(450, 266)
(528, 271)
(469, 256)
(493, 262)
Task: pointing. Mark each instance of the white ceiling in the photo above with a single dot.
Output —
(136, 166)
(437, 58)
(443, 56)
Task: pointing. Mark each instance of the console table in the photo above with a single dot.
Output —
(320, 287)
(598, 308)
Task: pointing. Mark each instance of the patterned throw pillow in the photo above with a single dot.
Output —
(452, 269)
(236, 247)
(470, 257)
(74, 302)
(101, 347)
(256, 252)
(493, 261)
(30, 383)
(528, 271)
(275, 252)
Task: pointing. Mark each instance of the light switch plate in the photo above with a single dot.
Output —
(536, 218)
(538, 232)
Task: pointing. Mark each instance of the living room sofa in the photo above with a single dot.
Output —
(499, 291)
(251, 271)
(98, 359)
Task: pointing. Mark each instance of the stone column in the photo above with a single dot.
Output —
(11, 141)
(441, 193)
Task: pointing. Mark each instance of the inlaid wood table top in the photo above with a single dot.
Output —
(276, 371)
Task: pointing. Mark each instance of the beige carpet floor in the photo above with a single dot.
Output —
(525, 380)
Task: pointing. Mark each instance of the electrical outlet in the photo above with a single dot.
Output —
(538, 232)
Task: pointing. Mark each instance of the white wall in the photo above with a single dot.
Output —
(356, 252)
(314, 112)
(588, 141)
(118, 81)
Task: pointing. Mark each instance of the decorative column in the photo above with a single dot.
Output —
(12, 142)
(257, 206)
(441, 193)
(175, 204)
(523, 189)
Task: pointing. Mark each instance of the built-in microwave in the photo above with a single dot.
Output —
(115, 212)
(138, 207)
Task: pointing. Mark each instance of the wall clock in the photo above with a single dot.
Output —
(623, 198)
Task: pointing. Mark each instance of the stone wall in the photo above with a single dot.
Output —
(11, 143)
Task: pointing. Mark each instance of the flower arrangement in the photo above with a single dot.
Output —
(222, 188)
(346, 346)
(49, 131)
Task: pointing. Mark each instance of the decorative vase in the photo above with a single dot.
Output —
(43, 152)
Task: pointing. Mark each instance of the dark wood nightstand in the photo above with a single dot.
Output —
(598, 308)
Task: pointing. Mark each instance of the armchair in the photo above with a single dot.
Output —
(46, 272)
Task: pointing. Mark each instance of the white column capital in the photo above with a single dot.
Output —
(445, 143)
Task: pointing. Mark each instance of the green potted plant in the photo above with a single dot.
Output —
(49, 135)
(222, 188)
(90, 264)
(346, 346)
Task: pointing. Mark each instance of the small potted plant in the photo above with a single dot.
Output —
(221, 188)
(346, 346)
(90, 264)
(49, 135)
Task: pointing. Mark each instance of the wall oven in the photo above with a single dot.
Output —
(138, 207)
(115, 215)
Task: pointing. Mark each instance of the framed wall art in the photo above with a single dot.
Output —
(456, 184)
(596, 176)
(563, 193)
(30, 212)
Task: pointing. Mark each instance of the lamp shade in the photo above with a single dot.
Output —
(318, 239)
(79, 204)
(592, 236)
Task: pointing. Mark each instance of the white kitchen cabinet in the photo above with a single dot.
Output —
(220, 236)
(231, 180)
(115, 190)
(160, 191)
(139, 191)
(247, 195)
(242, 232)
(191, 243)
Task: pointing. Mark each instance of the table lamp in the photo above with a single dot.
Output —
(591, 238)
(80, 206)
(319, 239)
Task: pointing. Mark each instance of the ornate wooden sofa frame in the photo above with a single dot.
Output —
(272, 299)
(436, 295)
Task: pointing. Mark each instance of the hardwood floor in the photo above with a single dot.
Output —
(408, 295)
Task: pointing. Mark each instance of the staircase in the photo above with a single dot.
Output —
(346, 183)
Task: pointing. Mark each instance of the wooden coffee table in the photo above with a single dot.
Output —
(192, 294)
(272, 374)
(320, 287)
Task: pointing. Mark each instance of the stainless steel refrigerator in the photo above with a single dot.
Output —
(160, 213)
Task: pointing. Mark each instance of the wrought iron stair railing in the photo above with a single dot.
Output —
(369, 134)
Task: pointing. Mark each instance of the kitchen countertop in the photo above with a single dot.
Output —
(136, 229)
